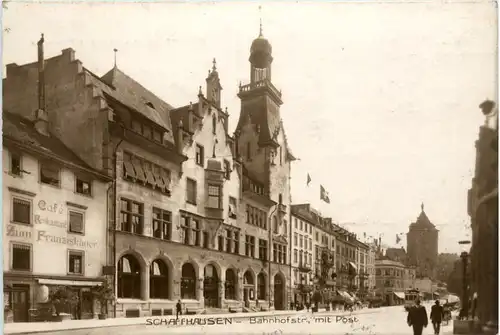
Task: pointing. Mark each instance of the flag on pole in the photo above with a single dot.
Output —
(323, 194)
(308, 179)
(398, 239)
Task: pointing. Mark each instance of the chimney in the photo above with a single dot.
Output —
(180, 135)
(41, 117)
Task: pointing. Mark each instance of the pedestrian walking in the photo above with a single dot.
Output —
(178, 308)
(437, 315)
(417, 318)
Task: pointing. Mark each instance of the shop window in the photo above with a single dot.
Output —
(188, 282)
(21, 257)
(83, 186)
(158, 280)
(162, 224)
(129, 278)
(261, 287)
(132, 216)
(75, 262)
(230, 285)
(21, 211)
(76, 222)
(50, 174)
(15, 164)
(191, 191)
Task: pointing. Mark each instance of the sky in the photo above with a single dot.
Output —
(380, 99)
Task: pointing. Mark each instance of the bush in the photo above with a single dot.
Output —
(61, 297)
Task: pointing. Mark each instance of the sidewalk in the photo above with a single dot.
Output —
(43, 327)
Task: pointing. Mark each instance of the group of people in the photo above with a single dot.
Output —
(417, 317)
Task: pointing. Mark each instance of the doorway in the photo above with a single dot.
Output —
(20, 302)
(211, 287)
(279, 292)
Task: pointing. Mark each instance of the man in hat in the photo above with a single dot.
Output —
(417, 318)
(437, 314)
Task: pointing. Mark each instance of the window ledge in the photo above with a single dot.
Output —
(130, 301)
(158, 300)
(23, 192)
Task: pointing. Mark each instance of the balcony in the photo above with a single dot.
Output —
(256, 192)
(259, 86)
(304, 267)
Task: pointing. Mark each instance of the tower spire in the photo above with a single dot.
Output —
(260, 21)
(115, 51)
(214, 66)
(422, 206)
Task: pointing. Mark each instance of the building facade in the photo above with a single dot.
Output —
(362, 278)
(55, 230)
(302, 223)
(483, 211)
(422, 246)
(370, 268)
(390, 281)
(261, 146)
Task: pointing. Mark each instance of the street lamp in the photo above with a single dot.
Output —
(464, 255)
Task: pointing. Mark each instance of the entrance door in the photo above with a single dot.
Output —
(245, 297)
(278, 293)
(20, 302)
(211, 287)
(87, 305)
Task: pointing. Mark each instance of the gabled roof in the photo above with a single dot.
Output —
(422, 221)
(129, 92)
(22, 131)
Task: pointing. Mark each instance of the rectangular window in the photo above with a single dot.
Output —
(221, 242)
(200, 155)
(205, 239)
(76, 222)
(147, 131)
(186, 229)
(248, 214)
(236, 242)
(49, 174)
(137, 126)
(83, 186)
(75, 262)
(191, 191)
(162, 224)
(128, 168)
(295, 255)
(197, 232)
(157, 136)
(232, 208)
(132, 216)
(295, 239)
(214, 196)
(21, 211)
(262, 249)
(227, 169)
(229, 240)
(21, 257)
(15, 164)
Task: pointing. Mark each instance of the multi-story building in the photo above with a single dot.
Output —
(422, 245)
(325, 267)
(370, 268)
(347, 270)
(396, 254)
(410, 280)
(361, 280)
(262, 147)
(193, 219)
(483, 211)
(302, 223)
(55, 230)
(390, 277)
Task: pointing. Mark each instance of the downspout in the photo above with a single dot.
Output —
(115, 213)
(269, 252)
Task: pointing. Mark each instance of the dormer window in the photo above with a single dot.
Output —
(150, 105)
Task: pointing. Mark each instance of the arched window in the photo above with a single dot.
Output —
(129, 277)
(261, 287)
(230, 284)
(158, 280)
(247, 278)
(188, 282)
(214, 124)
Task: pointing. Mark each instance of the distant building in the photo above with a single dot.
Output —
(422, 245)
(390, 277)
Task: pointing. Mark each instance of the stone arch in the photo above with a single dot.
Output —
(231, 283)
(195, 265)
(131, 269)
(217, 267)
(279, 288)
(262, 285)
(161, 284)
(189, 280)
(140, 258)
(211, 283)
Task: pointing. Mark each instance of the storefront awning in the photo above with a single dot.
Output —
(345, 295)
(400, 295)
(63, 282)
(353, 266)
